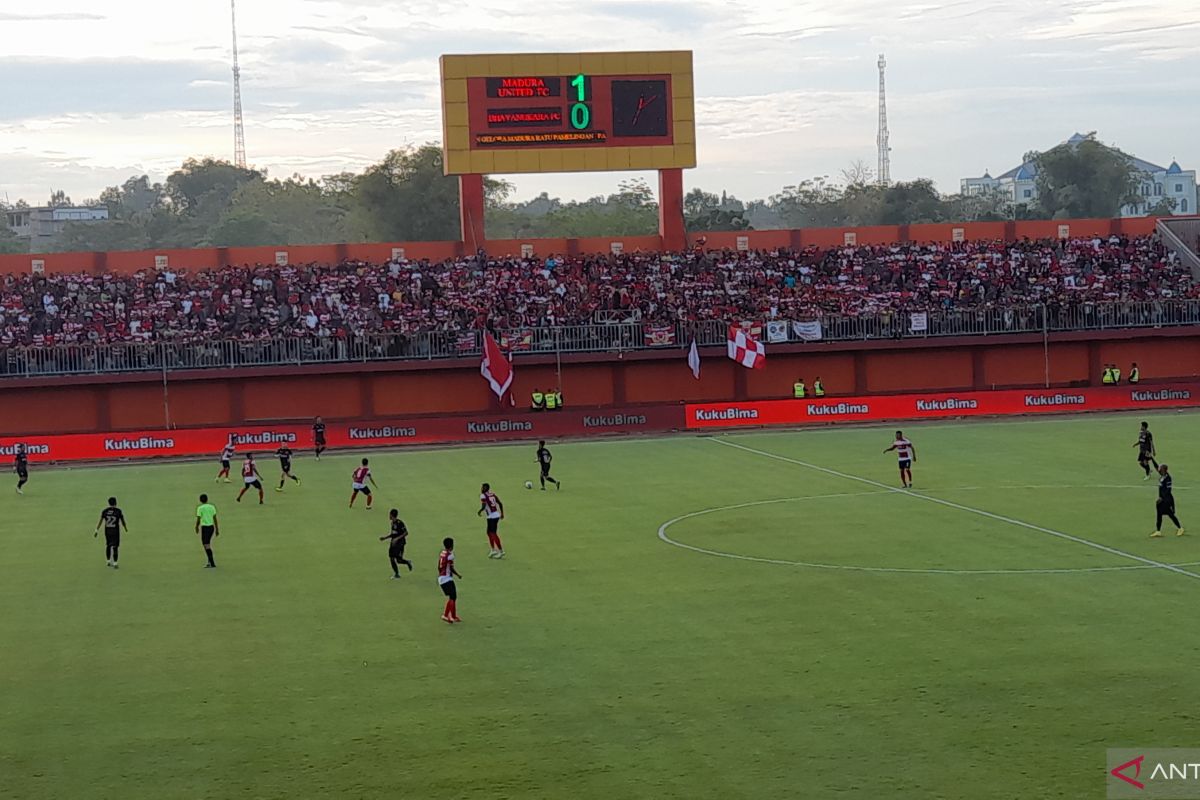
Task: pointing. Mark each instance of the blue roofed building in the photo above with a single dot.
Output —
(1019, 185)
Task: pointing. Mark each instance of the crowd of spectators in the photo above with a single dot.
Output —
(250, 303)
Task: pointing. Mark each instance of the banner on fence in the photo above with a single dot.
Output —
(777, 332)
(520, 340)
(872, 408)
(918, 321)
(656, 334)
(370, 433)
(807, 331)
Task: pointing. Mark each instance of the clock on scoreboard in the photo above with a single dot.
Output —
(528, 114)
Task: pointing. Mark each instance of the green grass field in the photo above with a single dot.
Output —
(976, 658)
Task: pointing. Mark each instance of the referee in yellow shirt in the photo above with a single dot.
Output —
(207, 527)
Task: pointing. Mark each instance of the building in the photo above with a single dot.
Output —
(42, 226)
(1019, 185)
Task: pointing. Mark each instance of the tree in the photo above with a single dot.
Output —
(910, 203)
(857, 173)
(1165, 207)
(1084, 180)
(704, 211)
(58, 199)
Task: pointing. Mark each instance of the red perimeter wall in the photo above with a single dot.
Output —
(394, 390)
(128, 262)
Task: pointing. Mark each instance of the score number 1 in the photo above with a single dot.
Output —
(581, 112)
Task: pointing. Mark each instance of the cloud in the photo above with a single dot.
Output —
(62, 16)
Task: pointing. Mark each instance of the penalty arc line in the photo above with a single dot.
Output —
(960, 507)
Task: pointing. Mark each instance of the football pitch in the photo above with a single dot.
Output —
(754, 615)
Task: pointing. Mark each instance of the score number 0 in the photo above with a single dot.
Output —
(581, 113)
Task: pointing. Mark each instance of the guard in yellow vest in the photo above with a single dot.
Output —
(798, 389)
(558, 398)
(1107, 378)
(537, 401)
(1135, 374)
(818, 388)
(1116, 374)
(551, 401)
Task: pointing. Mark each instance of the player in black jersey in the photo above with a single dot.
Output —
(1165, 507)
(319, 436)
(284, 454)
(398, 538)
(544, 458)
(1146, 451)
(21, 467)
(113, 520)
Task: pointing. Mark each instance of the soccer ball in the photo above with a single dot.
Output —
(528, 484)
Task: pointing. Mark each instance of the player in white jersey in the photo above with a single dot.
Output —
(906, 453)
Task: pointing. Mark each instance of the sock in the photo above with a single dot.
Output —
(449, 609)
(1174, 519)
(114, 552)
(22, 482)
(108, 552)
(492, 541)
(1146, 467)
(281, 481)
(208, 552)
(293, 477)
(370, 499)
(395, 569)
(453, 605)
(496, 537)
(1158, 524)
(543, 480)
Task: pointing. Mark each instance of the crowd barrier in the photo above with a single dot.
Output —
(524, 425)
(264, 439)
(940, 405)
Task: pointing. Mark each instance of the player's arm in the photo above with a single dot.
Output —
(124, 524)
(454, 572)
(99, 522)
(912, 448)
(482, 507)
(890, 449)
(216, 526)
(371, 478)
(500, 503)
(197, 522)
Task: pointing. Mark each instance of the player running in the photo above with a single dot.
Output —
(446, 575)
(318, 429)
(358, 483)
(490, 504)
(21, 467)
(250, 478)
(398, 538)
(1165, 507)
(284, 454)
(906, 453)
(544, 458)
(1146, 451)
(226, 458)
(113, 519)
(207, 527)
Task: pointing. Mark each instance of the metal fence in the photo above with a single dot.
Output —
(616, 337)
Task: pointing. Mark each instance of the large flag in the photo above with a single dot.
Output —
(745, 349)
(694, 360)
(496, 369)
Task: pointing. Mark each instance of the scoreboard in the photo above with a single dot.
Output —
(568, 112)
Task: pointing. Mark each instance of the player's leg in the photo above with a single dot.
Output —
(22, 479)
(245, 488)
(370, 497)
(353, 496)
(1158, 514)
(282, 480)
(206, 536)
(1171, 515)
(295, 478)
(395, 565)
(451, 594)
(1144, 463)
(114, 544)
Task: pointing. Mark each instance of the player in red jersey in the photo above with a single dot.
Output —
(226, 457)
(490, 504)
(358, 483)
(906, 453)
(250, 478)
(446, 575)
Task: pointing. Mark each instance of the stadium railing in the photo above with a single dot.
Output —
(80, 359)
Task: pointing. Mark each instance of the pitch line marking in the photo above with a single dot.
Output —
(960, 507)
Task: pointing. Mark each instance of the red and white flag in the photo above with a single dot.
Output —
(745, 349)
(496, 369)
(694, 360)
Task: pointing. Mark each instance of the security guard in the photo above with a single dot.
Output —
(1108, 378)
(537, 401)
(558, 398)
(798, 389)
(1135, 374)
(818, 387)
(1116, 373)
(551, 401)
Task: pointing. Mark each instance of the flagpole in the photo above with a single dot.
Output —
(558, 356)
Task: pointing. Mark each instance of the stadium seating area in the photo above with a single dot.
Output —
(355, 298)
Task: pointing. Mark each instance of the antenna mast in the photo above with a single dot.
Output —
(881, 140)
(239, 130)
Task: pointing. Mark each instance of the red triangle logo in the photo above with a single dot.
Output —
(1118, 772)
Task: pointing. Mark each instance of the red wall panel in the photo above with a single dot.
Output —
(1025, 365)
(450, 391)
(195, 403)
(1175, 359)
(64, 410)
(898, 371)
(672, 381)
(334, 396)
(836, 371)
(137, 405)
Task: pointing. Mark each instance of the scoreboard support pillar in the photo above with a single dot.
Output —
(470, 210)
(671, 226)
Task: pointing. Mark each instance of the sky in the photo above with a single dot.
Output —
(785, 89)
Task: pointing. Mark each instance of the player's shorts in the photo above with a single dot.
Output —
(1144, 455)
(493, 524)
(256, 483)
(905, 463)
(206, 533)
(1166, 506)
(546, 470)
(396, 552)
(23, 474)
(361, 487)
(319, 442)
(112, 538)
(450, 590)
(224, 463)
(286, 466)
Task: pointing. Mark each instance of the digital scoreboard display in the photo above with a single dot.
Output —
(606, 111)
